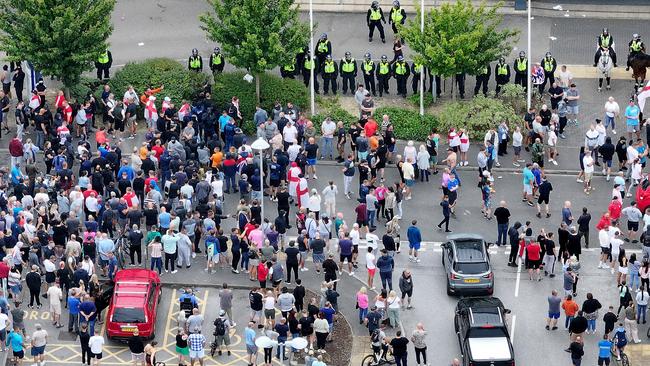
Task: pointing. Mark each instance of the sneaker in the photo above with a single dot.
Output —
(611, 270)
(495, 164)
(614, 132)
(166, 271)
(607, 178)
(340, 273)
(315, 177)
(417, 260)
(580, 180)
(521, 160)
(174, 271)
(516, 164)
(554, 162)
(351, 273)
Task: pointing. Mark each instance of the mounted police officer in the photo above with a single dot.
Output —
(605, 41)
(635, 47)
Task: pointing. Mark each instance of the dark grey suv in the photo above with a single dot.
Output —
(467, 265)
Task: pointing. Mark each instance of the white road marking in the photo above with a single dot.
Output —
(518, 278)
(512, 327)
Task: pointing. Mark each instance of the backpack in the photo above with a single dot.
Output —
(374, 337)
(219, 327)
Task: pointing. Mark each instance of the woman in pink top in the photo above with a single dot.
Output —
(256, 236)
(380, 193)
(362, 304)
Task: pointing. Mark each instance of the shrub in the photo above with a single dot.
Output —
(272, 88)
(330, 107)
(408, 124)
(180, 83)
(415, 100)
(477, 116)
(514, 96)
(85, 86)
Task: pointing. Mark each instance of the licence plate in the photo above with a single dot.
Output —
(129, 328)
(471, 280)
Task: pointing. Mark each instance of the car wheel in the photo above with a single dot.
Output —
(456, 324)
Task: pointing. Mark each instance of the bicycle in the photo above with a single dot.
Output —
(624, 361)
(374, 359)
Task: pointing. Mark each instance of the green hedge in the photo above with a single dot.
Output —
(272, 88)
(477, 116)
(180, 83)
(86, 85)
(408, 124)
(414, 99)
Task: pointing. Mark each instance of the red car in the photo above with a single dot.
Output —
(643, 195)
(134, 303)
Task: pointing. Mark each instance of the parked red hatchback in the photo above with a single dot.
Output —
(134, 303)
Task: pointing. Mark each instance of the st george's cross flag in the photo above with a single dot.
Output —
(643, 94)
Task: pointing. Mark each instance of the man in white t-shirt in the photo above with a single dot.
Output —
(588, 163)
(96, 344)
(4, 323)
(371, 266)
(39, 341)
(603, 239)
(566, 78)
(616, 244)
(55, 295)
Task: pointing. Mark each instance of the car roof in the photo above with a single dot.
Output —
(462, 236)
(478, 303)
(132, 287)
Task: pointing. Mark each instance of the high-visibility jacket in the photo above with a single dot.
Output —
(309, 64)
(195, 62)
(329, 67)
(502, 69)
(103, 58)
(400, 68)
(323, 46)
(375, 14)
(636, 46)
(348, 66)
(217, 59)
(396, 15)
(384, 68)
(417, 68)
(548, 64)
(521, 64)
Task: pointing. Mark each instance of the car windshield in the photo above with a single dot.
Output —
(128, 315)
(487, 331)
(471, 267)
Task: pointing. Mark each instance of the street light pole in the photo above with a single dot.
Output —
(311, 55)
(528, 79)
(421, 67)
(261, 145)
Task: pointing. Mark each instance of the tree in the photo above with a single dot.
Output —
(458, 38)
(60, 38)
(256, 35)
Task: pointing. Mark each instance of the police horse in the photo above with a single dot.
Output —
(639, 62)
(604, 65)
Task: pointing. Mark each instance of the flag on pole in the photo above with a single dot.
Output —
(643, 94)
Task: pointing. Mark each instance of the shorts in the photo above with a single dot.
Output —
(215, 258)
(603, 361)
(539, 162)
(343, 257)
(576, 361)
(103, 262)
(533, 264)
(223, 339)
(415, 246)
(634, 226)
(19, 354)
(140, 356)
(251, 349)
(608, 163)
(197, 354)
(96, 355)
(355, 249)
(604, 250)
(256, 314)
(362, 223)
(554, 315)
(311, 162)
(3, 335)
(528, 189)
(433, 160)
(274, 182)
(588, 177)
(276, 283)
(410, 182)
(517, 149)
(371, 272)
(572, 109)
(487, 202)
(318, 258)
(541, 200)
(37, 351)
(50, 277)
(632, 128)
(362, 155)
(269, 313)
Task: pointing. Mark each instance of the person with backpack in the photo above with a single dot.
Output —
(222, 327)
(620, 339)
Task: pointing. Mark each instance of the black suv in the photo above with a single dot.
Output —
(482, 332)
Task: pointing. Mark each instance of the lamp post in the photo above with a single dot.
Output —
(529, 92)
(421, 67)
(311, 54)
(261, 145)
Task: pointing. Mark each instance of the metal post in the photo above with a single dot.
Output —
(422, 67)
(529, 85)
(262, 190)
(311, 53)
(434, 84)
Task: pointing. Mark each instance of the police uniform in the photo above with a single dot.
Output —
(401, 72)
(374, 18)
(397, 16)
(605, 41)
(482, 79)
(323, 48)
(368, 69)
(501, 75)
(521, 71)
(329, 71)
(635, 47)
(309, 63)
(460, 81)
(288, 71)
(438, 83)
(383, 75)
(103, 64)
(416, 70)
(549, 65)
(348, 68)
(195, 63)
(217, 62)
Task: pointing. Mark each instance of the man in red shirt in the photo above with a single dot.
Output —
(67, 111)
(16, 150)
(370, 127)
(4, 272)
(534, 260)
(158, 149)
(614, 209)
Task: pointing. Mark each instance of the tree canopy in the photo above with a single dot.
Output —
(60, 38)
(458, 38)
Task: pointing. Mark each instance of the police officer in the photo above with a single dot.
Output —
(605, 41)
(521, 70)
(329, 71)
(460, 81)
(103, 64)
(635, 47)
(383, 75)
(348, 67)
(217, 61)
(368, 68)
(501, 74)
(482, 79)
(288, 71)
(397, 16)
(309, 63)
(416, 70)
(401, 72)
(549, 65)
(438, 83)
(374, 18)
(323, 48)
(195, 62)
